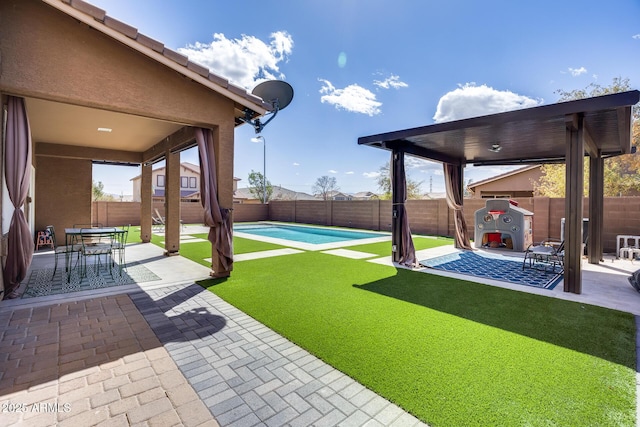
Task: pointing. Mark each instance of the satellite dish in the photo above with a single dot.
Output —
(275, 92)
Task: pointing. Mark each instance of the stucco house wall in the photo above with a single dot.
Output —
(49, 55)
(516, 184)
(72, 55)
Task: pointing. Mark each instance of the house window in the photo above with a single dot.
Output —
(192, 182)
(160, 181)
(184, 182)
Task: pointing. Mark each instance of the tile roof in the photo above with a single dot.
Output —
(98, 19)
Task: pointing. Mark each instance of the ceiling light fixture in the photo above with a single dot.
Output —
(104, 129)
(495, 148)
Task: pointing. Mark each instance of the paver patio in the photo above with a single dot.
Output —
(169, 352)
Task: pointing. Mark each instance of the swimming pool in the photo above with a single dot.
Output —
(306, 237)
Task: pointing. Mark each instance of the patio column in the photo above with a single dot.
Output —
(172, 203)
(574, 184)
(596, 209)
(146, 202)
(397, 204)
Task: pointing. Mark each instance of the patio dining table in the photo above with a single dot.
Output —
(74, 235)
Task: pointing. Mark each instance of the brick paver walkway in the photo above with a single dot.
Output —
(94, 362)
(249, 375)
(177, 355)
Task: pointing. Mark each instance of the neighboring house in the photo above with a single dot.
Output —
(336, 195)
(514, 184)
(432, 196)
(243, 195)
(189, 183)
(365, 195)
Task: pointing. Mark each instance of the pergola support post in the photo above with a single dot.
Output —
(146, 200)
(596, 209)
(172, 204)
(574, 180)
(397, 160)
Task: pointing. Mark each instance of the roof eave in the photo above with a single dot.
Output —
(95, 17)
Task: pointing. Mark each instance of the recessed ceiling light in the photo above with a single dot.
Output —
(104, 129)
(495, 148)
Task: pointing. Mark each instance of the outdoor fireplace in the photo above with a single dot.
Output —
(502, 224)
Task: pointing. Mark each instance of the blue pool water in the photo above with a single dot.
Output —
(304, 234)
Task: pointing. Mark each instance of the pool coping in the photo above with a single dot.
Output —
(384, 237)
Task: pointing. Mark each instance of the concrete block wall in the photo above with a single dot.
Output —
(120, 213)
(250, 212)
(357, 214)
(622, 216)
(282, 211)
(429, 217)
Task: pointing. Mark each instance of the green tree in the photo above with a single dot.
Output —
(97, 190)
(621, 173)
(384, 184)
(324, 186)
(257, 186)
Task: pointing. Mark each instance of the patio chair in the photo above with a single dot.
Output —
(66, 250)
(546, 256)
(88, 225)
(157, 220)
(96, 245)
(634, 280)
(119, 245)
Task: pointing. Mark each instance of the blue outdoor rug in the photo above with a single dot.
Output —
(497, 268)
(41, 283)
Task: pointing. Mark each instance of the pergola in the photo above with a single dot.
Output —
(598, 127)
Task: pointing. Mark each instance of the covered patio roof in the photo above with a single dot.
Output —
(532, 135)
(565, 132)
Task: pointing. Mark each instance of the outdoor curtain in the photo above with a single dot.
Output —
(453, 183)
(17, 175)
(217, 219)
(407, 255)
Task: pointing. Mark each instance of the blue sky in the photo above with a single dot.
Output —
(365, 67)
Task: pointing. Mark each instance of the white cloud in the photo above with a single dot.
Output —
(333, 171)
(349, 173)
(296, 164)
(371, 174)
(245, 61)
(636, 36)
(469, 100)
(353, 98)
(575, 72)
(411, 162)
(393, 82)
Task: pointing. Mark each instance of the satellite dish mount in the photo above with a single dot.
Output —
(275, 92)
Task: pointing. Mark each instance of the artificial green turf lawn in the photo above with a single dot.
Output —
(453, 353)
(243, 246)
(419, 242)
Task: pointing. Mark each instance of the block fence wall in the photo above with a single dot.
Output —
(429, 217)
(112, 214)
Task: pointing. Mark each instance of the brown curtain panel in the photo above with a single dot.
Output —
(218, 220)
(399, 184)
(17, 175)
(453, 183)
